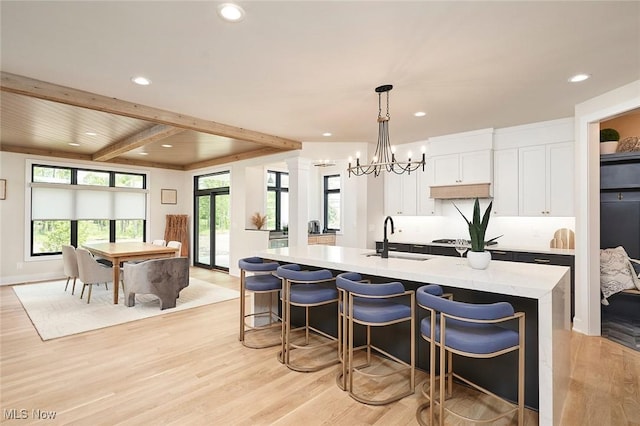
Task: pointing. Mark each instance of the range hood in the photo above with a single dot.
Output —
(452, 192)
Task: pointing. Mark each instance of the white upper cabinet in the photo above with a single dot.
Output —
(426, 205)
(400, 194)
(546, 180)
(505, 182)
(462, 169)
(462, 158)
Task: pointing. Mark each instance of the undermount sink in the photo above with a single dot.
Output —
(405, 256)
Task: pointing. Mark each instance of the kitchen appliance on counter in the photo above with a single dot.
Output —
(453, 242)
(314, 227)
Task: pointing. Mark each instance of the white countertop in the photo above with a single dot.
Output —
(516, 279)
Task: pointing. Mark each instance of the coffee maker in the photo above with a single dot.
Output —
(314, 227)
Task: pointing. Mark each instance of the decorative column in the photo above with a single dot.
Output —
(298, 200)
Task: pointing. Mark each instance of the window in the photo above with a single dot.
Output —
(77, 206)
(277, 201)
(332, 200)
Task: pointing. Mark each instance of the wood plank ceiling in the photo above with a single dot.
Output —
(41, 118)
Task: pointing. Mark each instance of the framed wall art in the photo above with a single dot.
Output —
(168, 196)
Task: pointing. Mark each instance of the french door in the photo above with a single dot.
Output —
(212, 210)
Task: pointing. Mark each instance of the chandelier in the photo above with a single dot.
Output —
(384, 158)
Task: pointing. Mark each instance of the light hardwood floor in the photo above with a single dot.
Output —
(188, 368)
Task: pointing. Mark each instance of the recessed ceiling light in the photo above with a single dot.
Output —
(91, 133)
(327, 134)
(143, 153)
(142, 81)
(231, 12)
(578, 78)
(166, 145)
(420, 114)
(74, 144)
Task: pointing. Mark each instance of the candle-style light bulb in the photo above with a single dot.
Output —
(409, 155)
(422, 149)
(350, 160)
(358, 155)
(393, 149)
(375, 159)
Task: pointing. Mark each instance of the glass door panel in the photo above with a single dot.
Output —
(221, 232)
(203, 213)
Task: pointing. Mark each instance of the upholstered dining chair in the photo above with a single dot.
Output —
(469, 330)
(70, 265)
(159, 242)
(376, 305)
(306, 289)
(176, 244)
(91, 272)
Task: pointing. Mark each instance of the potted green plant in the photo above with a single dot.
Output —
(609, 140)
(478, 257)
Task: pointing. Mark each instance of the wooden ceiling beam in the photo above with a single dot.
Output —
(86, 157)
(231, 158)
(42, 90)
(145, 137)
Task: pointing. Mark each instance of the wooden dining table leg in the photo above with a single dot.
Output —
(116, 279)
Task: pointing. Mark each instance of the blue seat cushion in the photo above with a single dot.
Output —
(263, 282)
(472, 338)
(379, 311)
(309, 294)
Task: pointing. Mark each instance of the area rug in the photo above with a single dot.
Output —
(56, 313)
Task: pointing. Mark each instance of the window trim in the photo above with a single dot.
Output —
(30, 163)
(278, 189)
(325, 203)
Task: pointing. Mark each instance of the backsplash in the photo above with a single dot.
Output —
(521, 232)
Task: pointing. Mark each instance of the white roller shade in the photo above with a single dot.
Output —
(93, 204)
(52, 203)
(82, 202)
(130, 205)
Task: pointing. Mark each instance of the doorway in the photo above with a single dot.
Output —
(212, 210)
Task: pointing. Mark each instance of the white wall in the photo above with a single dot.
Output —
(15, 263)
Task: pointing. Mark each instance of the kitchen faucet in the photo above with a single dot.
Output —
(385, 242)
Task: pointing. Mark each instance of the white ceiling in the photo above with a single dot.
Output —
(298, 69)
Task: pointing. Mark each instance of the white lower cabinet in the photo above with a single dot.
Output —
(546, 180)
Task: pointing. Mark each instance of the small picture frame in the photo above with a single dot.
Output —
(168, 196)
(3, 189)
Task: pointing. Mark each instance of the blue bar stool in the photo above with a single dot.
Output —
(375, 305)
(306, 289)
(261, 281)
(471, 330)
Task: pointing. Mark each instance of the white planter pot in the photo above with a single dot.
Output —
(479, 259)
(608, 147)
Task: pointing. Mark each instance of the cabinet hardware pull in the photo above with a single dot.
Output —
(542, 260)
(417, 246)
(498, 252)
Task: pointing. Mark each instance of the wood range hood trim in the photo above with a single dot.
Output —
(452, 192)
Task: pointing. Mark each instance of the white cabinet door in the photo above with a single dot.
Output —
(475, 167)
(560, 179)
(446, 170)
(426, 204)
(546, 180)
(505, 182)
(533, 181)
(461, 169)
(400, 194)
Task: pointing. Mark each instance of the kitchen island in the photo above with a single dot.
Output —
(542, 290)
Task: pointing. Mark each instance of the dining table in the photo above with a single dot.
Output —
(117, 253)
